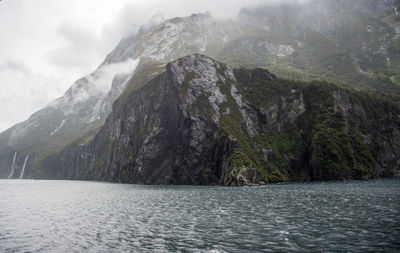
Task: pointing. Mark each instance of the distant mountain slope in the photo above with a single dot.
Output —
(354, 43)
(201, 122)
(351, 42)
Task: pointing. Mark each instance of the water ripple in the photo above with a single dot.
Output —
(74, 216)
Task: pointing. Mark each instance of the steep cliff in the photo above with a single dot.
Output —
(353, 43)
(202, 122)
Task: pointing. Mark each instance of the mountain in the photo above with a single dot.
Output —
(202, 122)
(82, 108)
(352, 43)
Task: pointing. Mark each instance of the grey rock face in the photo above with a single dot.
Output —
(163, 134)
(259, 37)
(82, 108)
(196, 124)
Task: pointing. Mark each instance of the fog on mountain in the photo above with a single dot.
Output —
(283, 92)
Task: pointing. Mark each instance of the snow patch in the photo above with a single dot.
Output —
(262, 47)
(59, 127)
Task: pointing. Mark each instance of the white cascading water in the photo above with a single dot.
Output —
(12, 166)
(23, 168)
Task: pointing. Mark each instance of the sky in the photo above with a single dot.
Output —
(46, 45)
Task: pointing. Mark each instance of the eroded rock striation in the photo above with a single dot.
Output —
(201, 122)
(352, 43)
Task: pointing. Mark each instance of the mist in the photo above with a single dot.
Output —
(104, 76)
(199, 126)
(46, 47)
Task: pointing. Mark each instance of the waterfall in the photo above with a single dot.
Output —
(395, 9)
(12, 166)
(23, 168)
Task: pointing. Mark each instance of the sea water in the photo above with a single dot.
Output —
(78, 216)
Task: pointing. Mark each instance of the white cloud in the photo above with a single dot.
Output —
(46, 45)
(104, 76)
(77, 42)
(19, 95)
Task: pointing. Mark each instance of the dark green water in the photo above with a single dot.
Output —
(71, 216)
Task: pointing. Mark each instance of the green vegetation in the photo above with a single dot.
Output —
(323, 143)
(300, 131)
(146, 70)
(232, 124)
(358, 52)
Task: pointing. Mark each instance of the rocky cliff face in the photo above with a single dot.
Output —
(354, 43)
(350, 42)
(201, 122)
(170, 126)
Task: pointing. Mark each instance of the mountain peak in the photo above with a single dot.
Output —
(292, 42)
(199, 76)
(201, 68)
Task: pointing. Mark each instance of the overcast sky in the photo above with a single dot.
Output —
(46, 44)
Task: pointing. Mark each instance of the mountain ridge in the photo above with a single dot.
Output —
(300, 47)
(197, 124)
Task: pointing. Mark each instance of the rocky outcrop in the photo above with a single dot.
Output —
(201, 122)
(354, 42)
(167, 132)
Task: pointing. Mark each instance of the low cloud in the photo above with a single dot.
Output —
(103, 78)
(22, 92)
(13, 65)
(77, 48)
(51, 44)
